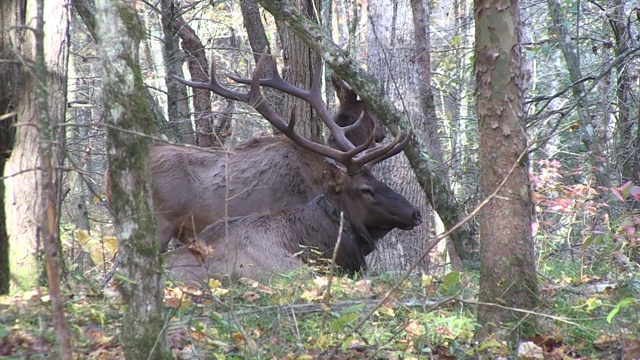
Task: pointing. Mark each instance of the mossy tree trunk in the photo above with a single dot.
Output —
(119, 32)
(24, 186)
(507, 268)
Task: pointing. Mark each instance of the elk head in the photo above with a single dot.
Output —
(350, 109)
(370, 206)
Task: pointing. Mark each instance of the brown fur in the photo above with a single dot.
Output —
(257, 246)
(350, 110)
(189, 185)
(265, 174)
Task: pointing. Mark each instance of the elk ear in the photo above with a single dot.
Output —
(343, 91)
(334, 176)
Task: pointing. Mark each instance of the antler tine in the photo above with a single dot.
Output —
(257, 100)
(355, 125)
(312, 96)
(213, 85)
(382, 152)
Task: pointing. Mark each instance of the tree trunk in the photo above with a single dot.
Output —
(629, 141)
(507, 269)
(258, 42)
(391, 25)
(78, 156)
(431, 134)
(51, 58)
(595, 151)
(119, 33)
(177, 105)
(299, 62)
(9, 80)
(199, 70)
(23, 167)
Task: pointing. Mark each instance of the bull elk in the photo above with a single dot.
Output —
(195, 187)
(261, 244)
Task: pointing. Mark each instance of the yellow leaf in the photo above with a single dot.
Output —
(96, 199)
(426, 280)
(82, 236)
(214, 284)
(90, 245)
(310, 295)
(593, 303)
(110, 244)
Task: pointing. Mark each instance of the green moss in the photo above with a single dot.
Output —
(130, 20)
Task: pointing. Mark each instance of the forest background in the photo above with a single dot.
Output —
(448, 69)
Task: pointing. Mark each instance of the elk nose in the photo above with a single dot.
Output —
(417, 216)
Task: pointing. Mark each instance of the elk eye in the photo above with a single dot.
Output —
(366, 191)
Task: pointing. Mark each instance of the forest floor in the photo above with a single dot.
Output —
(581, 316)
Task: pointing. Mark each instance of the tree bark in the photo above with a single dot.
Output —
(507, 268)
(258, 42)
(299, 66)
(78, 157)
(629, 148)
(369, 89)
(177, 104)
(431, 134)
(119, 33)
(51, 106)
(9, 80)
(199, 70)
(390, 31)
(23, 169)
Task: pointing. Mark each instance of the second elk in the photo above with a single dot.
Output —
(259, 245)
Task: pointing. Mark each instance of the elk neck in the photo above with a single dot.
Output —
(334, 214)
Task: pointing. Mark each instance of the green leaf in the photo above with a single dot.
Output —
(346, 343)
(491, 344)
(612, 314)
(340, 323)
(621, 304)
(4, 330)
(353, 308)
(452, 278)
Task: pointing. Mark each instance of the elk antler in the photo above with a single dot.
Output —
(354, 158)
(313, 96)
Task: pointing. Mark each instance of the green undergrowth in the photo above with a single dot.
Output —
(583, 314)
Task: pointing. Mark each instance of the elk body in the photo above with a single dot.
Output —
(195, 187)
(261, 244)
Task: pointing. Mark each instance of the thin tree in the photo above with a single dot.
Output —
(629, 140)
(507, 269)
(390, 29)
(127, 116)
(594, 150)
(298, 67)
(48, 116)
